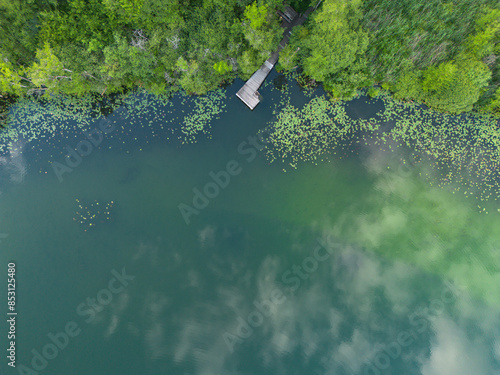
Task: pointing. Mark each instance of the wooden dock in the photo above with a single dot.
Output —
(249, 93)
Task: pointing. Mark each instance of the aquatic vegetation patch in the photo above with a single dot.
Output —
(312, 132)
(206, 109)
(46, 116)
(463, 150)
(92, 214)
(51, 117)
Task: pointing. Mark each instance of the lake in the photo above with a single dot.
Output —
(153, 249)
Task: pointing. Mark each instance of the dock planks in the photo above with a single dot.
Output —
(249, 93)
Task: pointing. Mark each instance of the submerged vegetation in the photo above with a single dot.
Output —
(464, 151)
(312, 132)
(205, 109)
(47, 117)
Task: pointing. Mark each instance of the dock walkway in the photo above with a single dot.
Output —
(249, 93)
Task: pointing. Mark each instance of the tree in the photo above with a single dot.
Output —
(19, 28)
(126, 64)
(437, 77)
(222, 67)
(157, 14)
(48, 70)
(487, 31)
(288, 57)
(191, 77)
(261, 28)
(11, 78)
(494, 103)
(455, 86)
(408, 84)
(248, 63)
(256, 15)
(124, 9)
(85, 22)
(334, 46)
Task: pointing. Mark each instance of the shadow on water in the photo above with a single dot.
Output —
(364, 107)
(130, 175)
(280, 82)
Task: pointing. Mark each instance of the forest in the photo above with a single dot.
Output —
(442, 54)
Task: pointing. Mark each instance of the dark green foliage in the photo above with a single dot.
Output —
(433, 51)
(440, 53)
(105, 46)
(332, 48)
(373, 92)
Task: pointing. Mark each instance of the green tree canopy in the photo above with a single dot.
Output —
(333, 47)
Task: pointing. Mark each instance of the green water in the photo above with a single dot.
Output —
(354, 266)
